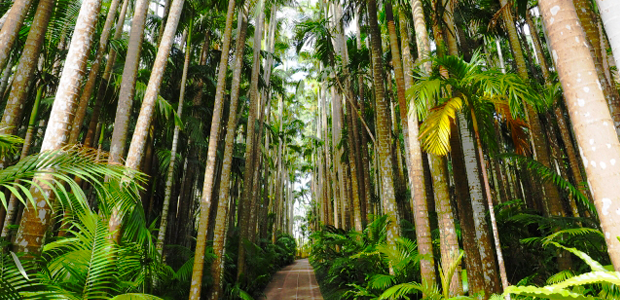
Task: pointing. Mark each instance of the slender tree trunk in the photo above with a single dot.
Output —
(611, 22)
(250, 161)
(594, 132)
(475, 275)
(173, 151)
(449, 244)
(25, 72)
(588, 23)
(138, 140)
(128, 85)
(103, 85)
(94, 72)
(383, 129)
(420, 202)
(487, 189)
(10, 29)
(205, 201)
(363, 139)
(136, 149)
(34, 224)
(13, 205)
(8, 71)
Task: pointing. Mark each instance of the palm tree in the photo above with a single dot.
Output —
(420, 204)
(26, 68)
(175, 141)
(94, 73)
(383, 129)
(221, 221)
(592, 122)
(126, 97)
(128, 85)
(89, 140)
(590, 28)
(28, 140)
(608, 10)
(10, 29)
(34, 224)
(207, 187)
(477, 91)
(138, 140)
(249, 207)
(537, 137)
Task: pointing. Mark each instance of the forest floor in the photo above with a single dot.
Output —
(296, 281)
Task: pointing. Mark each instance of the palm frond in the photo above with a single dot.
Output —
(435, 131)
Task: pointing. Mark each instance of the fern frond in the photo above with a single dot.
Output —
(546, 292)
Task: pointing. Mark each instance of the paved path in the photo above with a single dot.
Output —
(296, 281)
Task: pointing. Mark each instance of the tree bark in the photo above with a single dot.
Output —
(205, 201)
(173, 151)
(250, 163)
(89, 140)
(594, 130)
(384, 135)
(128, 85)
(94, 72)
(449, 243)
(10, 29)
(34, 224)
(420, 202)
(25, 72)
(611, 21)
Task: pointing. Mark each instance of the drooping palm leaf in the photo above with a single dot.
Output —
(435, 131)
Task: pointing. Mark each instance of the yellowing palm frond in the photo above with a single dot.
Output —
(435, 131)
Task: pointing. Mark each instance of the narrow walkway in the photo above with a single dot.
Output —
(296, 281)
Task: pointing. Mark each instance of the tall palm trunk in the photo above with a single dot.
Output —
(8, 71)
(25, 72)
(250, 161)
(590, 28)
(103, 85)
(594, 130)
(214, 134)
(420, 203)
(399, 76)
(94, 73)
(138, 140)
(537, 46)
(447, 232)
(487, 189)
(13, 204)
(34, 224)
(10, 29)
(128, 84)
(173, 151)
(611, 22)
(475, 275)
(540, 150)
(470, 162)
(384, 136)
(221, 221)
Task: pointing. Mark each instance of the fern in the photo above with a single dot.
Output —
(560, 288)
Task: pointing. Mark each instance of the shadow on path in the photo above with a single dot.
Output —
(296, 281)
